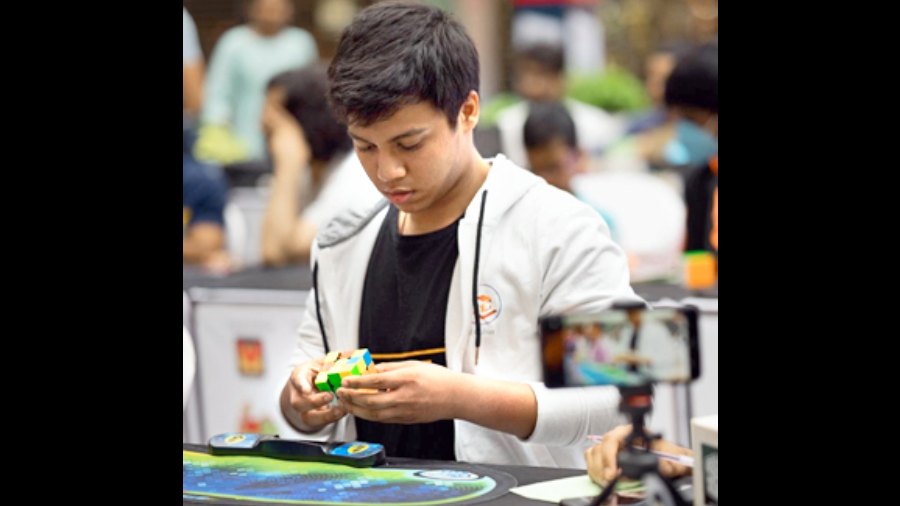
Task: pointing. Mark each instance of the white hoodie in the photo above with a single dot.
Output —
(542, 252)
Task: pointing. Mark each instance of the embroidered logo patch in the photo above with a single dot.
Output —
(489, 304)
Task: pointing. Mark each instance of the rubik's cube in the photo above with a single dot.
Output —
(338, 365)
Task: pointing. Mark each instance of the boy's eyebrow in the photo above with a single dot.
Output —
(408, 133)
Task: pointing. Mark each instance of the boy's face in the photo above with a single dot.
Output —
(657, 69)
(557, 162)
(413, 157)
(270, 16)
(538, 83)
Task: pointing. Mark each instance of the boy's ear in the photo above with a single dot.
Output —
(469, 112)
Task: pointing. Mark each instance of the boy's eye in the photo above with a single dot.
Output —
(410, 148)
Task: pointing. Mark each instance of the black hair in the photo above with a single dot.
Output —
(548, 56)
(694, 81)
(547, 121)
(306, 100)
(399, 53)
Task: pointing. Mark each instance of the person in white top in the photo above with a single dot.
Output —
(405, 79)
(316, 174)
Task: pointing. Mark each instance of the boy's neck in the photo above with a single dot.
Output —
(452, 205)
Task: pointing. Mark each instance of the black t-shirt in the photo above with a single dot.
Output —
(404, 309)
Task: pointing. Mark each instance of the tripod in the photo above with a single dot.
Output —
(635, 460)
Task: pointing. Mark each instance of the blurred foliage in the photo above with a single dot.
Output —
(614, 90)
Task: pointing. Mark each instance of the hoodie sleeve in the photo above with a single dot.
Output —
(583, 271)
(310, 346)
(567, 415)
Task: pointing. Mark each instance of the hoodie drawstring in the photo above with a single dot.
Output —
(318, 310)
(475, 278)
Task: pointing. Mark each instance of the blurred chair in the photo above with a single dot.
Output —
(649, 218)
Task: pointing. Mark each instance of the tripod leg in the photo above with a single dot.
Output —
(606, 492)
(661, 491)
